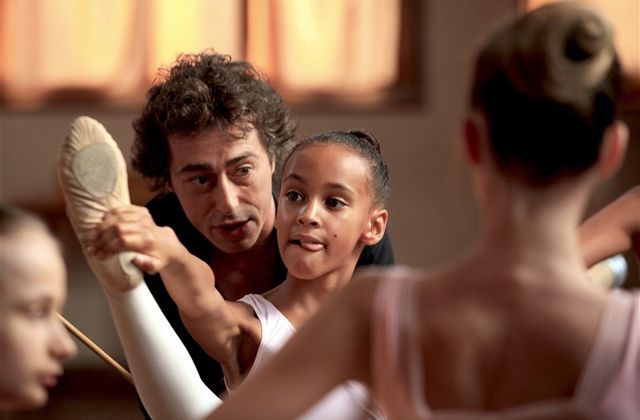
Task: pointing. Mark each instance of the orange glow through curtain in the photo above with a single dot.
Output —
(111, 49)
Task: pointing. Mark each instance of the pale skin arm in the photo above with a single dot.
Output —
(331, 348)
(612, 230)
(218, 326)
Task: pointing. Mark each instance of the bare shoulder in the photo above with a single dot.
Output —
(361, 291)
(632, 194)
(366, 281)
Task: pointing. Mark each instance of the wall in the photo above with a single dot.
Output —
(432, 213)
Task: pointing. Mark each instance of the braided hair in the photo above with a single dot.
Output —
(365, 145)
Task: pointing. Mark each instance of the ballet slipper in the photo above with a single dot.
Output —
(93, 176)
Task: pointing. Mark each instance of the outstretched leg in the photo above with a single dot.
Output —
(93, 177)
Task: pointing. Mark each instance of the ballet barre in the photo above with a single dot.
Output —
(96, 349)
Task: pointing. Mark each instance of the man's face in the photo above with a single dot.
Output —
(223, 182)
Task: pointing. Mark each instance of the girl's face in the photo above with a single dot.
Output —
(324, 210)
(33, 341)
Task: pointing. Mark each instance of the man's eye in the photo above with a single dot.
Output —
(244, 170)
(199, 180)
(293, 196)
(335, 203)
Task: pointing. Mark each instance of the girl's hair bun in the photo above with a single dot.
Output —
(547, 83)
(366, 137)
(561, 51)
(586, 40)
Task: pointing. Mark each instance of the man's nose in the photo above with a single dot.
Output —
(225, 196)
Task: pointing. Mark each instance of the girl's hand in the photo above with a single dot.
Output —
(131, 228)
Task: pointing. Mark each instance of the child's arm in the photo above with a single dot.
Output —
(332, 347)
(212, 321)
(612, 230)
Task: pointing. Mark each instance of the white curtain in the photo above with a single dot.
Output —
(53, 50)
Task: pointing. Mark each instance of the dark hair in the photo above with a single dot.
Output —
(13, 220)
(363, 143)
(201, 92)
(547, 85)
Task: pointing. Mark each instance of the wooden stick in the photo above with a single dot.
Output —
(96, 349)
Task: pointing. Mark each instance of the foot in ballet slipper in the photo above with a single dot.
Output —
(93, 177)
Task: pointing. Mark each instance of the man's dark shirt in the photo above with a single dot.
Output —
(167, 211)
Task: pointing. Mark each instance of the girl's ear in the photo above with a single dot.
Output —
(613, 149)
(475, 132)
(377, 226)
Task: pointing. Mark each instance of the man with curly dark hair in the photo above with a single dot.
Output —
(210, 140)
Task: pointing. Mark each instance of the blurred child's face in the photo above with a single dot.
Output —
(33, 341)
(324, 209)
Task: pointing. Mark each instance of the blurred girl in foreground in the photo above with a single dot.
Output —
(33, 287)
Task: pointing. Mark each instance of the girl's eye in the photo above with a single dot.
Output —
(293, 196)
(335, 203)
(36, 311)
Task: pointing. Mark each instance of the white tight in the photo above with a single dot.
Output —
(164, 374)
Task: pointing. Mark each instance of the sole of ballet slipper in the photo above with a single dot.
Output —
(95, 169)
(93, 177)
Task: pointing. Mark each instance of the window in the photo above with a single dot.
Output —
(94, 51)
